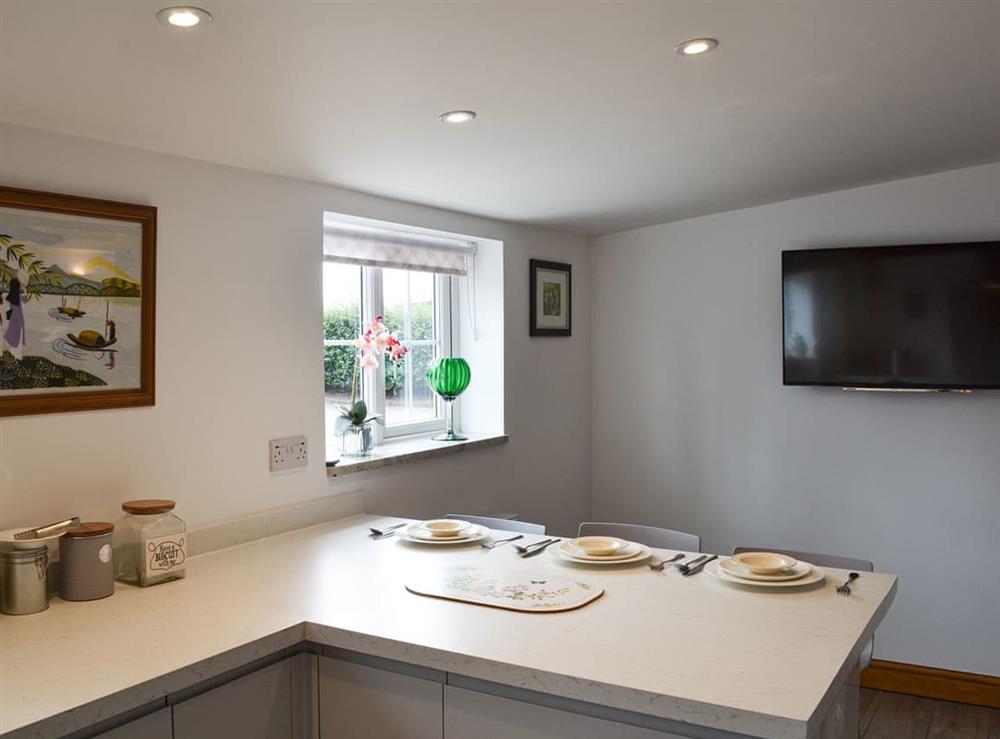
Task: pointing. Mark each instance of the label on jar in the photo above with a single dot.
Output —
(164, 553)
(104, 553)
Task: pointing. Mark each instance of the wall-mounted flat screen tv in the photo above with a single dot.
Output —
(893, 317)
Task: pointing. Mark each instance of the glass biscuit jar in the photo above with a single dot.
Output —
(150, 543)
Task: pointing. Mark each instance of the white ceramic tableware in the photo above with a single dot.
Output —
(417, 534)
(569, 548)
(445, 526)
(643, 554)
(731, 567)
(599, 546)
(815, 575)
(765, 563)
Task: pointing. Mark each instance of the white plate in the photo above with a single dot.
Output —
(475, 533)
(815, 575)
(641, 556)
(420, 531)
(574, 552)
(7, 540)
(731, 567)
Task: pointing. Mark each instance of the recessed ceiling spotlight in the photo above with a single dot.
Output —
(183, 16)
(696, 46)
(457, 116)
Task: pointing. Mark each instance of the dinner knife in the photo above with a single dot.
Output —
(539, 549)
(698, 567)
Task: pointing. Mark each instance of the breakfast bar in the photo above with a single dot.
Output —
(318, 624)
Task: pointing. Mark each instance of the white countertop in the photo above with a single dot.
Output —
(688, 649)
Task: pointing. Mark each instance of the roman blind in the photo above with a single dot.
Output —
(379, 247)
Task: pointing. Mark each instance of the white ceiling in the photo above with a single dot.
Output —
(587, 120)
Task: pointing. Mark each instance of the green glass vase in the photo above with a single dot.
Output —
(449, 377)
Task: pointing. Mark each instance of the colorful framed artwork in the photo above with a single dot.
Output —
(77, 303)
(551, 298)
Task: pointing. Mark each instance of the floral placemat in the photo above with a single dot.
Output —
(515, 591)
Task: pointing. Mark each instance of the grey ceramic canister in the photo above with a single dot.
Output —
(85, 558)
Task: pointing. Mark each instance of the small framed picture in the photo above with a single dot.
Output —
(551, 298)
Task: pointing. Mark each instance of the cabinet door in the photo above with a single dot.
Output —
(256, 706)
(472, 715)
(154, 726)
(361, 702)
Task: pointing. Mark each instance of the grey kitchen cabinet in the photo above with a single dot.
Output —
(358, 701)
(153, 726)
(472, 715)
(255, 706)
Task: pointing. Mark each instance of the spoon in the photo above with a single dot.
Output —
(663, 563)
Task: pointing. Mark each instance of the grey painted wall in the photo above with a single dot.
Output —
(692, 428)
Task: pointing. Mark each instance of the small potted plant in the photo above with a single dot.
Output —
(354, 424)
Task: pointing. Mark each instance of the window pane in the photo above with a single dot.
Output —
(341, 301)
(341, 321)
(408, 300)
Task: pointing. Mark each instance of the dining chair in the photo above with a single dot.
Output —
(501, 524)
(651, 536)
(825, 560)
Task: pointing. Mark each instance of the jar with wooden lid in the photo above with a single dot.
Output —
(85, 555)
(150, 543)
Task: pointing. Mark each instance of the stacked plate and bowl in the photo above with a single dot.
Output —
(765, 569)
(443, 531)
(600, 550)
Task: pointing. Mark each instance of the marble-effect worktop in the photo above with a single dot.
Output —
(687, 649)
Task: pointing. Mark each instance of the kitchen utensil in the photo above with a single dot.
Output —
(49, 529)
(538, 549)
(684, 566)
(522, 548)
(493, 542)
(658, 566)
(386, 530)
(845, 589)
(694, 569)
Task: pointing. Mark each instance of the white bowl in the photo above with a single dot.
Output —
(765, 563)
(599, 546)
(445, 527)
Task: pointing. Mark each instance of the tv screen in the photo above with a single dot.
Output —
(893, 317)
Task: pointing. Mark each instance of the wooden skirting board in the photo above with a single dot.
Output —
(932, 682)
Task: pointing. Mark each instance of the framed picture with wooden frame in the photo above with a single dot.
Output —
(551, 298)
(77, 303)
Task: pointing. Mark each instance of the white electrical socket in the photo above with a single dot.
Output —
(289, 453)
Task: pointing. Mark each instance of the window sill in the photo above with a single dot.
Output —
(410, 449)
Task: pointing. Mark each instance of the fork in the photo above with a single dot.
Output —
(845, 589)
(663, 563)
(493, 543)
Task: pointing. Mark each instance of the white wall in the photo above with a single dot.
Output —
(692, 428)
(239, 357)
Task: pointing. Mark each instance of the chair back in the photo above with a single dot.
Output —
(501, 524)
(651, 536)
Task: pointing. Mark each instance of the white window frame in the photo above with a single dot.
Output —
(373, 383)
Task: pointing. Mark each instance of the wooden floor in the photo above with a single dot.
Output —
(895, 716)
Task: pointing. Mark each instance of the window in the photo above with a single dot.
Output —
(365, 275)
